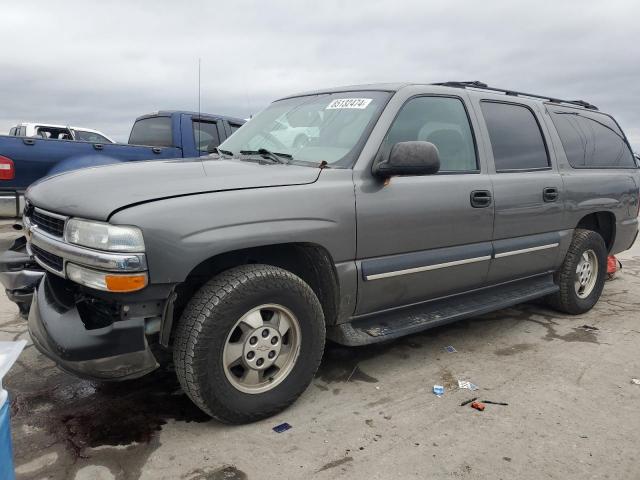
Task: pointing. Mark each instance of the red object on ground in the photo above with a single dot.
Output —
(478, 406)
(612, 266)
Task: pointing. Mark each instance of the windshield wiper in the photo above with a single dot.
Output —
(224, 152)
(274, 156)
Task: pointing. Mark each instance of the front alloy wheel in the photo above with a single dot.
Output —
(262, 348)
(249, 343)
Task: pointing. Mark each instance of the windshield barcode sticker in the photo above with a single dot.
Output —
(359, 103)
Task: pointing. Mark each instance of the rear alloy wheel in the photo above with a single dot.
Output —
(582, 275)
(249, 343)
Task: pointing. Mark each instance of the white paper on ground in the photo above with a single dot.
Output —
(467, 385)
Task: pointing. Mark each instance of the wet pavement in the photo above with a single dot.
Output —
(370, 413)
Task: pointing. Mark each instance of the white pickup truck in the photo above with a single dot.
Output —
(59, 132)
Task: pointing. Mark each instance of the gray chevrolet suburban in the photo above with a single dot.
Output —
(398, 207)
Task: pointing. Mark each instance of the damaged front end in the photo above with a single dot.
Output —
(92, 310)
(93, 337)
(19, 274)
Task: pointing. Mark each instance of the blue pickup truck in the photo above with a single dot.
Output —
(165, 134)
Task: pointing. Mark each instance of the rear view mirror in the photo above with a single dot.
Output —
(409, 158)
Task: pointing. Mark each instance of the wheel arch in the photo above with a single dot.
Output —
(309, 261)
(604, 223)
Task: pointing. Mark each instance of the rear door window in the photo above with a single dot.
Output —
(234, 127)
(153, 131)
(206, 136)
(591, 140)
(515, 135)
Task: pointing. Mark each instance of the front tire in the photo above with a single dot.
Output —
(582, 275)
(249, 343)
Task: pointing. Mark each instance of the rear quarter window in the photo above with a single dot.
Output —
(154, 132)
(591, 140)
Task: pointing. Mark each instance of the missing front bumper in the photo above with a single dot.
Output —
(118, 351)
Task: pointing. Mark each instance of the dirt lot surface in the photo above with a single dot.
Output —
(573, 411)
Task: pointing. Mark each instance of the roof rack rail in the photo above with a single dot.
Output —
(484, 86)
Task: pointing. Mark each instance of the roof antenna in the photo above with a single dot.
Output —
(199, 124)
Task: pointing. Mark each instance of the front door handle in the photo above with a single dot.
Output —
(480, 198)
(550, 194)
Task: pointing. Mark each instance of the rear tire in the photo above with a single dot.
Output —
(241, 313)
(582, 275)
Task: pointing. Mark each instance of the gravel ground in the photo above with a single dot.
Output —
(369, 414)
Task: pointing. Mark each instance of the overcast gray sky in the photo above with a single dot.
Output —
(101, 64)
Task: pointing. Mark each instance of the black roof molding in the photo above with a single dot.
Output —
(484, 86)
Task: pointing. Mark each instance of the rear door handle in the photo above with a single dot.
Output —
(480, 198)
(550, 194)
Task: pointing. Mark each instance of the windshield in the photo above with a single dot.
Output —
(314, 128)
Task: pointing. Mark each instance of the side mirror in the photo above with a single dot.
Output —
(409, 158)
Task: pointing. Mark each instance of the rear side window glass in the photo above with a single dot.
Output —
(234, 127)
(442, 121)
(206, 136)
(516, 139)
(591, 140)
(154, 132)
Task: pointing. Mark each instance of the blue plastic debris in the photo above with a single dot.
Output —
(283, 427)
(438, 390)
(450, 349)
(9, 352)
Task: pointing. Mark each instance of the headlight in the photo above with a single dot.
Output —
(104, 236)
(109, 282)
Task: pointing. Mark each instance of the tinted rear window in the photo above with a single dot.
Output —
(515, 136)
(591, 140)
(154, 132)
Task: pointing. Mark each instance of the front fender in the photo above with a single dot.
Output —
(180, 233)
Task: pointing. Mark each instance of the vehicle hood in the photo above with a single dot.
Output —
(96, 193)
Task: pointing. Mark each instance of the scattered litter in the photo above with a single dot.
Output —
(495, 403)
(589, 328)
(283, 427)
(635, 381)
(467, 385)
(450, 349)
(438, 390)
(478, 406)
(468, 401)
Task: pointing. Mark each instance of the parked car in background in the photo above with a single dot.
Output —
(293, 137)
(59, 132)
(637, 157)
(164, 134)
(414, 206)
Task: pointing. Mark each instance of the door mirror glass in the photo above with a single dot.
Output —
(410, 158)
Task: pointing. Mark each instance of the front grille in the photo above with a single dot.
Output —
(49, 259)
(47, 223)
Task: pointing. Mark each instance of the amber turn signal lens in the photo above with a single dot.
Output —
(125, 283)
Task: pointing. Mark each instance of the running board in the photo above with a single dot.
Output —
(389, 325)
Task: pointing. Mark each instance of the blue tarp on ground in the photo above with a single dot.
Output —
(6, 454)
